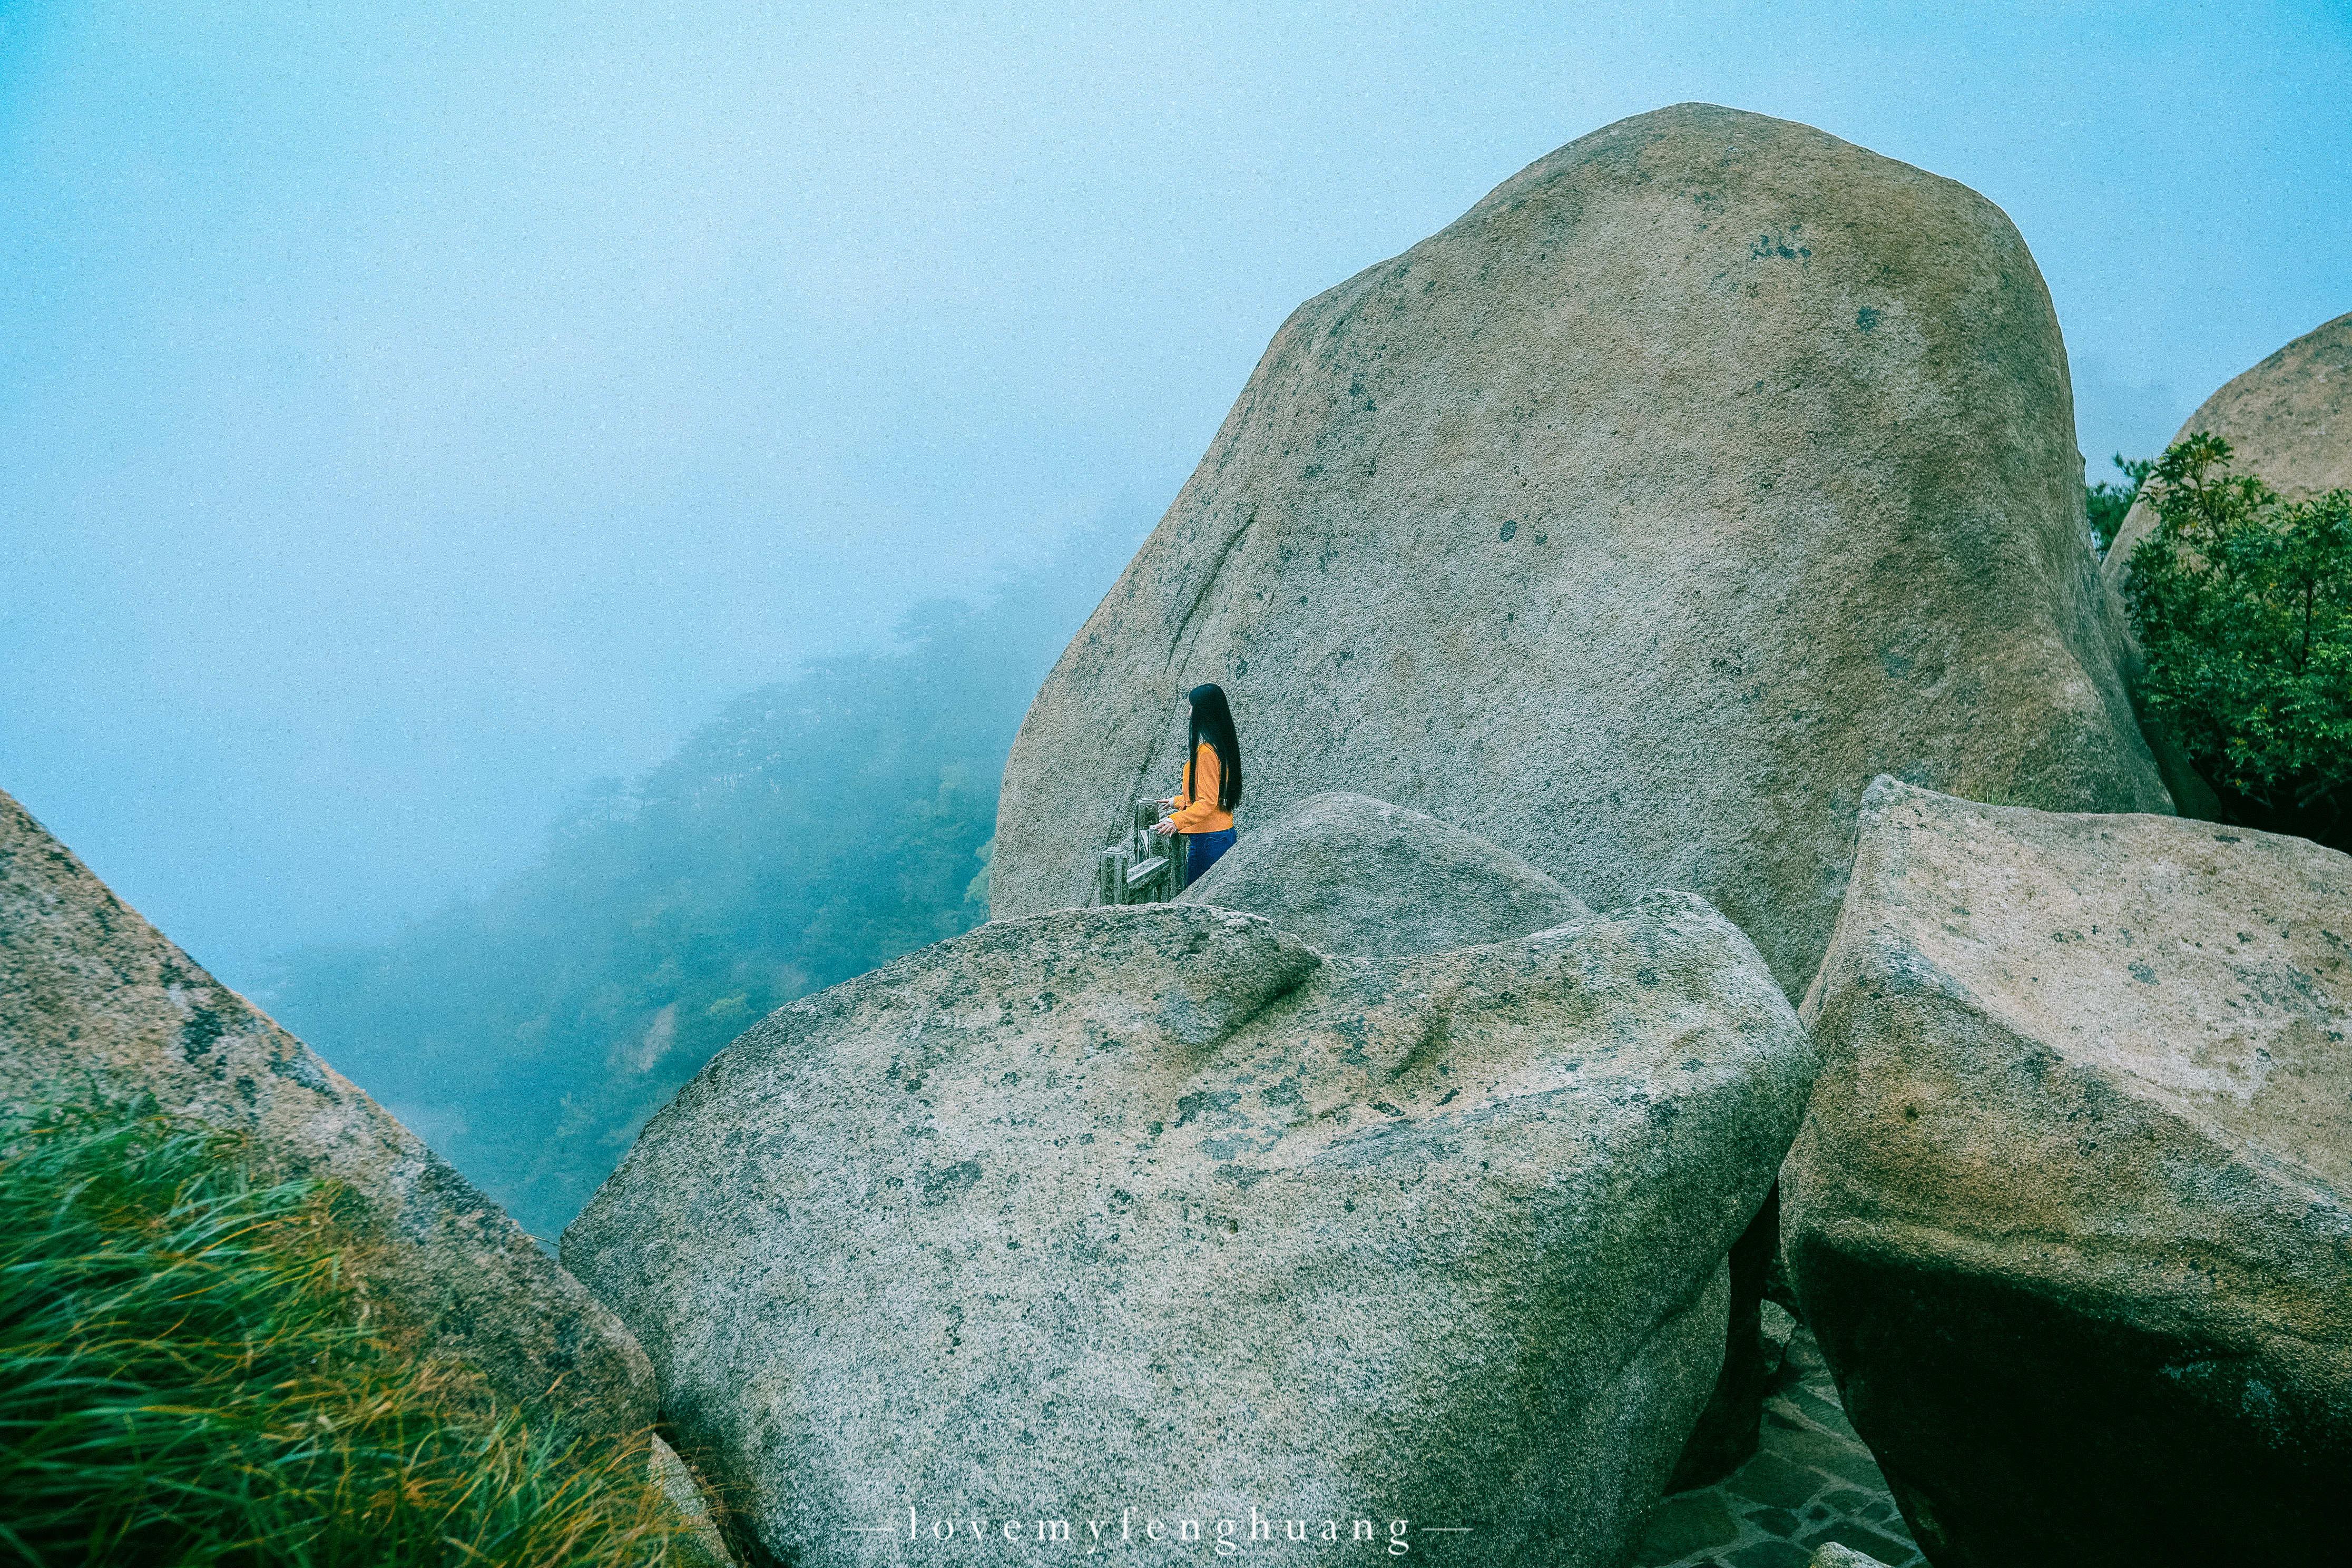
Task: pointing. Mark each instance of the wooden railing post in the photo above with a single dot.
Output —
(1145, 870)
(1171, 880)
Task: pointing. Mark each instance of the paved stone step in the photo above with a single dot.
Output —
(1811, 1484)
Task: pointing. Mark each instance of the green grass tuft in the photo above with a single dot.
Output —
(189, 1375)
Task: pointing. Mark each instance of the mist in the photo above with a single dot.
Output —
(411, 413)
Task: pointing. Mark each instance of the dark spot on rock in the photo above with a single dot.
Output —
(1866, 319)
(297, 1065)
(2143, 974)
(2227, 839)
(1508, 528)
(1201, 1101)
(1241, 1176)
(1385, 1109)
(202, 1032)
(943, 1184)
(1450, 1095)
(1647, 976)
(1910, 1113)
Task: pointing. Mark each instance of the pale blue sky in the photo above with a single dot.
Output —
(409, 411)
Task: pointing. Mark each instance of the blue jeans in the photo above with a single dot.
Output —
(1201, 852)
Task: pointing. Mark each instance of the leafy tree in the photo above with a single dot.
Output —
(814, 829)
(2107, 503)
(2242, 602)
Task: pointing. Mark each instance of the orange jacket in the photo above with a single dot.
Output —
(1201, 814)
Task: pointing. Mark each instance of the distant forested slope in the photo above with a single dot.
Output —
(812, 830)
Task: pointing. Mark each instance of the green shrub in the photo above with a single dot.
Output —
(188, 1376)
(2243, 603)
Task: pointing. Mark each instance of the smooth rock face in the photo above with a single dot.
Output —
(1349, 874)
(93, 997)
(2289, 420)
(1150, 1213)
(1706, 468)
(2069, 1210)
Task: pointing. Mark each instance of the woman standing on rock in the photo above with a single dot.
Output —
(1203, 807)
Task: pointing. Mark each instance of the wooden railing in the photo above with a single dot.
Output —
(1146, 869)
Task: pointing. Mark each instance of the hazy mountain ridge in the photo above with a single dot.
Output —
(815, 828)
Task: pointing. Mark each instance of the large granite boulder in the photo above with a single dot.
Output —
(2069, 1212)
(94, 999)
(1118, 1218)
(2289, 420)
(1349, 874)
(1706, 468)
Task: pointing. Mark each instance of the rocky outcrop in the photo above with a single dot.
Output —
(1112, 1219)
(2069, 1212)
(2290, 421)
(2288, 418)
(1706, 468)
(94, 999)
(1349, 874)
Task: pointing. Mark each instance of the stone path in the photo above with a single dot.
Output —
(1811, 1481)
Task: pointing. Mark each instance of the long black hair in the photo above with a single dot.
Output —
(1212, 720)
